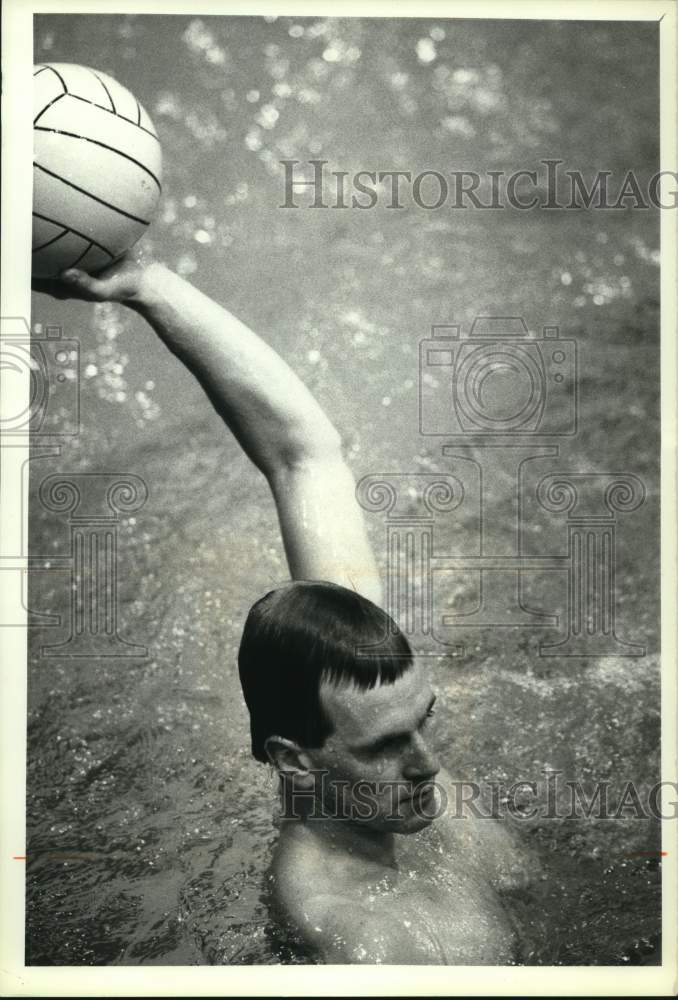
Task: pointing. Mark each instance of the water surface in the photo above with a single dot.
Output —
(150, 827)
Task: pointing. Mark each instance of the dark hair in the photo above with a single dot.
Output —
(305, 633)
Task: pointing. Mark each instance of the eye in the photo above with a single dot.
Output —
(394, 743)
(427, 718)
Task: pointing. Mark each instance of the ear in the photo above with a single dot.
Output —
(287, 756)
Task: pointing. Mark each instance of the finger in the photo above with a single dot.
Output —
(74, 277)
(82, 282)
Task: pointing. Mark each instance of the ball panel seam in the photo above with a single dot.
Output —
(76, 187)
(97, 142)
(110, 112)
(47, 107)
(83, 236)
(108, 93)
(49, 242)
(79, 258)
(59, 76)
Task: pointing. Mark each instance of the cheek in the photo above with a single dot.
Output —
(346, 768)
(341, 765)
(380, 772)
(336, 763)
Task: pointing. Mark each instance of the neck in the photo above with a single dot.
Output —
(359, 839)
(353, 838)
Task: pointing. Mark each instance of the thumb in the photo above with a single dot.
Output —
(84, 286)
(73, 274)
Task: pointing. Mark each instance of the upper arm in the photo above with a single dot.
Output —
(322, 524)
(342, 932)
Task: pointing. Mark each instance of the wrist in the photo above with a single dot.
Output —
(147, 287)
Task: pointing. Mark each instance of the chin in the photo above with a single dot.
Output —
(414, 824)
(405, 825)
(416, 819)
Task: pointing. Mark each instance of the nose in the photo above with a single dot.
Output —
(422, 764)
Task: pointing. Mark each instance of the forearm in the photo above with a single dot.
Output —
(273, 415)
(270, 411)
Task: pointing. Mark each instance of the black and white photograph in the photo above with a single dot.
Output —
(339, 438)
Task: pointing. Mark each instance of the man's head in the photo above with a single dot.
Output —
(332, 689)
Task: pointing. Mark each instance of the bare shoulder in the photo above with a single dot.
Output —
(490, 842)
(344, 932)
(298, 869)
(515, 864)
(318, 899)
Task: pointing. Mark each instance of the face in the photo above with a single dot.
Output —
(379, 753)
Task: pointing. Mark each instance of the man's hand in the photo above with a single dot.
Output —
(121, 282)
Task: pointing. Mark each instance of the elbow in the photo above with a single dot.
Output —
(321, 445)
(329, 443)
(278, 454)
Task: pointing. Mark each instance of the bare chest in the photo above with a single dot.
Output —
(446, 903)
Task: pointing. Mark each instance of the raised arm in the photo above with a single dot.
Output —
(270, 411)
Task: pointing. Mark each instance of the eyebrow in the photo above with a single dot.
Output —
(386, 738)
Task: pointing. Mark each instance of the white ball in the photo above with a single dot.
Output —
(96, 169)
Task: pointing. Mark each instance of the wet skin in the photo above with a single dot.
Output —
(386, 884)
